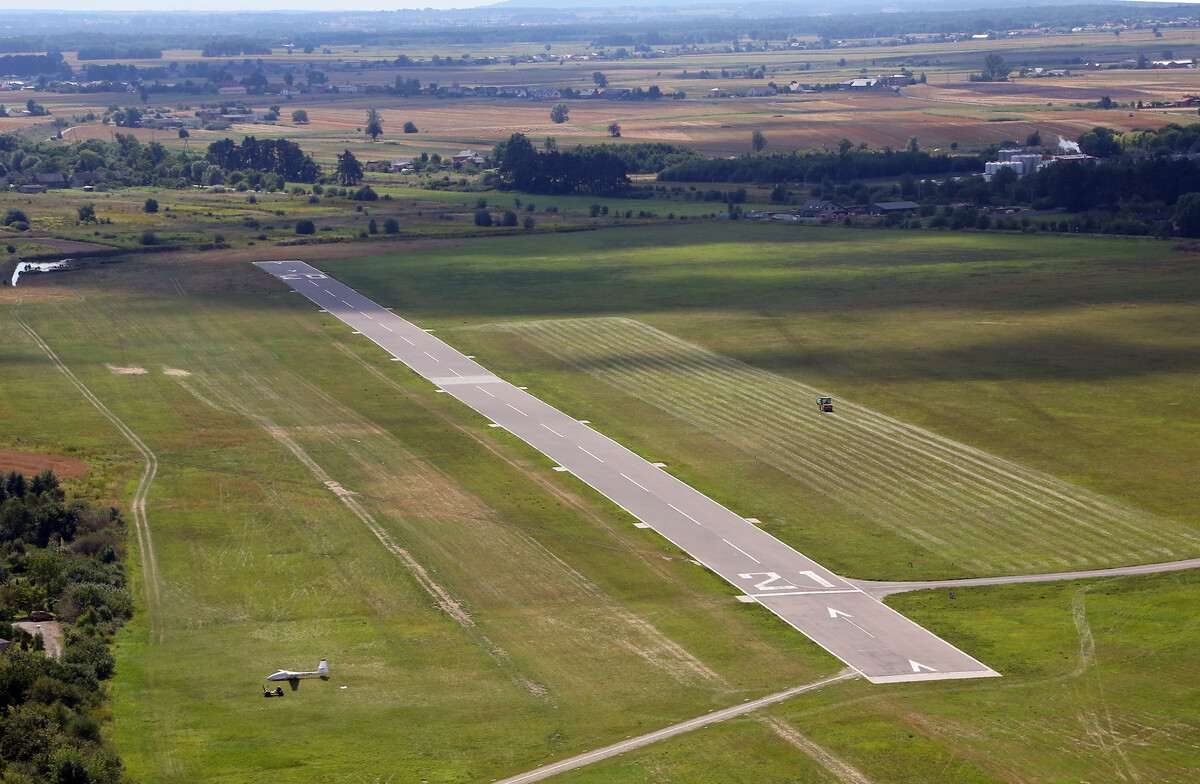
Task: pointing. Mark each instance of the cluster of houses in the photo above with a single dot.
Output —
(408, 165)
(818, 209)
(49, 181)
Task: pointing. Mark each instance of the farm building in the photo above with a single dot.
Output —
(889, 207)
(820, 208)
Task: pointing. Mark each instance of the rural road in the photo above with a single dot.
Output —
(844, 619)
(882, 589)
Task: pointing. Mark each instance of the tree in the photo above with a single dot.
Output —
(510, 218)
(995, 69)
(349, 171)
(913, 145)
(560, 113)
(614, 129)
(391, 226)
(374, 125)
(483, 218)
(1187, 215)
(410, 127)
(87, 213)
(757, 141)
(151, 205)
(1033, 140)
(600, 79)
(300, 116)
(1100, 142)
(306, 227)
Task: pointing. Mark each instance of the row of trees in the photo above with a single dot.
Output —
(812, 166)
(592, 170)
(62, 556)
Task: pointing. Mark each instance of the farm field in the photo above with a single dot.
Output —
(486, 614)
(948, 109)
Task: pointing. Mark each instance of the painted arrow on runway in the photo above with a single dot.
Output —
(839, 614)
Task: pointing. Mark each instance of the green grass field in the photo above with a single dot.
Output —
(486, 614)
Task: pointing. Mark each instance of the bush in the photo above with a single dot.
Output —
(510, 218)
(410, 127)
(483, 218)
(365, 193)
(148, 238)
(15, 216)
(151, 205)
(391, 226)
(306, 227)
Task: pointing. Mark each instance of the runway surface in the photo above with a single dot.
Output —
(873, 639)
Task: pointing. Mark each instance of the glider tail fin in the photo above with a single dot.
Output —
(323, 667)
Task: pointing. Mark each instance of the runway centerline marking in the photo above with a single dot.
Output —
(740, 550)
(635, 483)
(589, 454)
(514, 408)
(685, 514)
(552, 430)
(431, 356)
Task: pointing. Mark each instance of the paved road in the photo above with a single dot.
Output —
(882, 589)
(712, 717)
(873, 639)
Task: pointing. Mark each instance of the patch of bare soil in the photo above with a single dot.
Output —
(33, 463)
(52, 635)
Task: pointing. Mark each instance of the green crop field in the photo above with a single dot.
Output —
(483, 615)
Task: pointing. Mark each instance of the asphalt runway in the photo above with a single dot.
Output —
(873, 639)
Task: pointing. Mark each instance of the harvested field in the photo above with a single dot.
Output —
(33, 463)
(987, 514)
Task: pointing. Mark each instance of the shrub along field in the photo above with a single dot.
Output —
(486, 614)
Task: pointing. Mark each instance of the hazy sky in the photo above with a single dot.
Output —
(280, 5)
(236, 5)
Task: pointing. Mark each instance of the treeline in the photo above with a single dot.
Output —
(1113, 183)
(233, 47)
(65, 557)
(126, 161)
(648, 157)
(132, 52)
(810, 166)
(593, 171)
(34, 64)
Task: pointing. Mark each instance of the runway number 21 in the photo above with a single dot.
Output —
(774, 581)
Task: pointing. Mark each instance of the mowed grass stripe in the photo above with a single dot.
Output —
(1013, 516)
(850, 486)
(987, 513)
